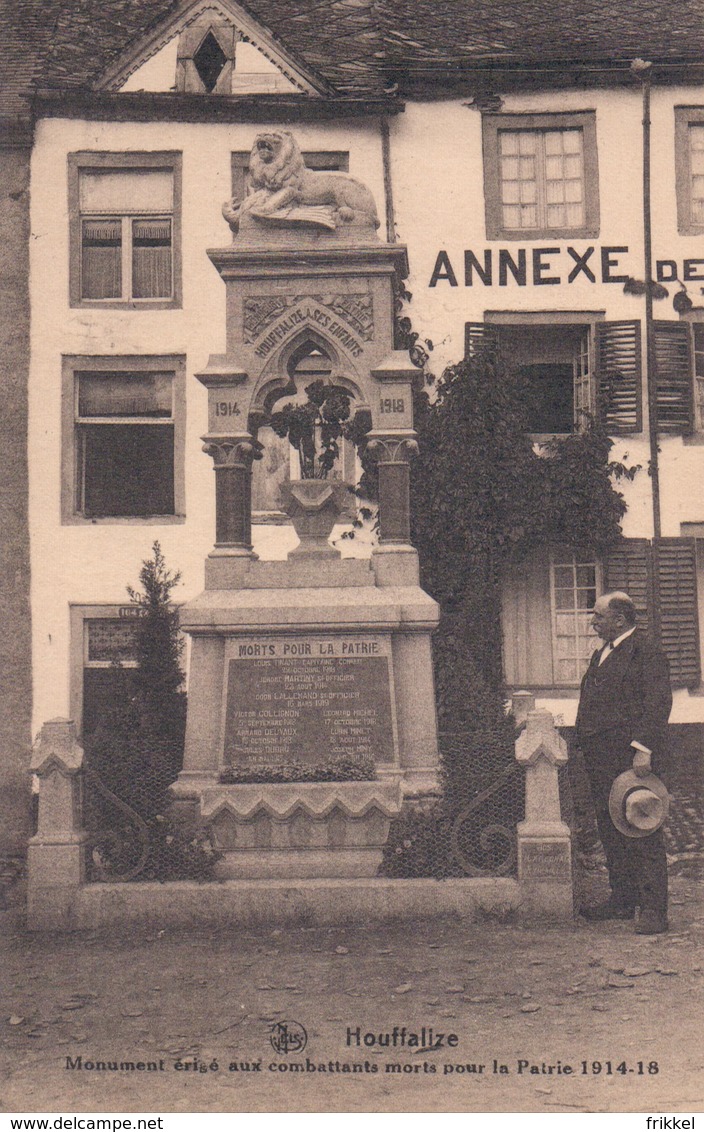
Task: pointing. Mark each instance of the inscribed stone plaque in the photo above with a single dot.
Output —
(308, 698)
(546, 860)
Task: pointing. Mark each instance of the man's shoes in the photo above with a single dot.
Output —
(609, 910)
(650, 922)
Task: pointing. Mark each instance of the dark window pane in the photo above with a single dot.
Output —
(151, 259)
(586, 576)
(101, 266)
(550, 397)
(105, 690)
(127, 470)
(209, 61)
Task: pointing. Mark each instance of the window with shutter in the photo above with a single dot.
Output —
(480, 338)
(630, 567)
(678, 609)
(673, 371)
(546, 615)
(556, 360)
(618, 357)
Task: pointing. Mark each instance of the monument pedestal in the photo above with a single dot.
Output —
(301, 682)
(309, 829)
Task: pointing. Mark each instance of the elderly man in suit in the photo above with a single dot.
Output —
(624, 707)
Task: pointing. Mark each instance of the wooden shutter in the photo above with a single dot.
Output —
(618, 375)
(628, 568)
(676, 559)
(481, 338)
(673, 375)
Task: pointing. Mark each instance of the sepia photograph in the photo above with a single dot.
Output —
(351, 557)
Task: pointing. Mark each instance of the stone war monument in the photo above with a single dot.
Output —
(311, 709)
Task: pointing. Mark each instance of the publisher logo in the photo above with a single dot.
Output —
(288, 1037)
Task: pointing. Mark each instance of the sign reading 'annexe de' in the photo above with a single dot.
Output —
(307, 698)
(310, 312)
(551, 266)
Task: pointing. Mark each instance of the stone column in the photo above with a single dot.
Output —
(522, 703)
(544, 854)
(203, 748)
(232, 457)
(232, 448)
(393, 454)
(57, 853)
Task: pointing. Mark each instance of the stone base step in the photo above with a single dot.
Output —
(274, 903)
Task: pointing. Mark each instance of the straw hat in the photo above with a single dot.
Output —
(638, 806)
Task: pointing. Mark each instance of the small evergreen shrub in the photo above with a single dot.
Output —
(136, 751)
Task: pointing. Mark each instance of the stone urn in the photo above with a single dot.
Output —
(314, 507)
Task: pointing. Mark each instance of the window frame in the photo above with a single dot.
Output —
(696, 436)
(685, 116)
(557, 558)
(587, 321)
(572, 119)
(79, 616)
(528, 621)
(74, 365)
(102, 161)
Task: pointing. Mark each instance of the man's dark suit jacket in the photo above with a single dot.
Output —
(628, 694)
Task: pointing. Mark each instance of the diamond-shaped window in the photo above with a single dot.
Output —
(209, 60)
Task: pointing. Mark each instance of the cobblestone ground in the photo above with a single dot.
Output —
(623, 1012)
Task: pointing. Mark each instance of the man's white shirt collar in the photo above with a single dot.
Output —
(609, 647)
(623, 636)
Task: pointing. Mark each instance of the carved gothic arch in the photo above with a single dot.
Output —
(280, 374)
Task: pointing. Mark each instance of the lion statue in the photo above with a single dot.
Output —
(280, 183)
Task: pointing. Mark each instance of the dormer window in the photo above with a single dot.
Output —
(210, 49)
(206, 58)
(217, 58)
(209, 61)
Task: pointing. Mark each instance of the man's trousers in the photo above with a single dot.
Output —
(637, 865)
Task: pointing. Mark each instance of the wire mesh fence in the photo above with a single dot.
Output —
(466, 831)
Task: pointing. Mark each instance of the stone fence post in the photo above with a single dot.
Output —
(57, 852)
(544, 854)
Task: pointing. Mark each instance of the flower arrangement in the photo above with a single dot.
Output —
(316, 427)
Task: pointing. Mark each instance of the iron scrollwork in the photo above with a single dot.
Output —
(125, 840)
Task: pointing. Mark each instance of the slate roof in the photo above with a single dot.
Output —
(359, 46)
(441, 34)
